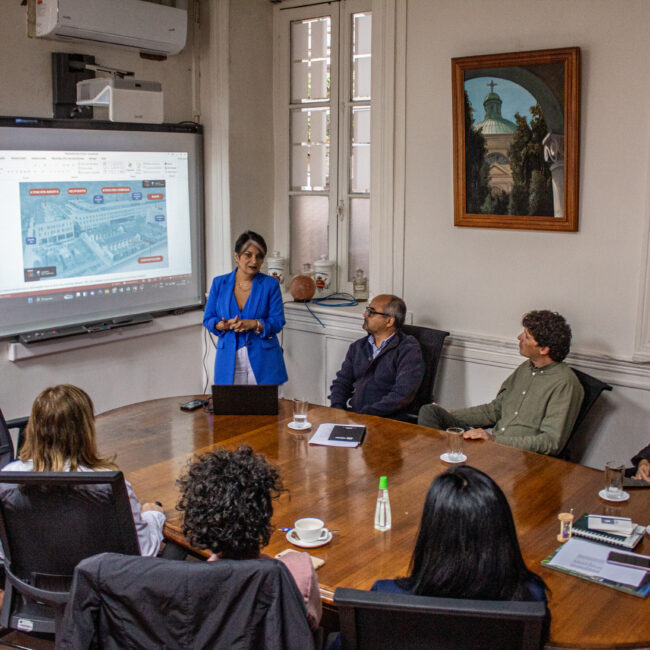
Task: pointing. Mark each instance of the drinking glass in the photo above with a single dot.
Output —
(614, 479)
(300, 407)
(455, 442)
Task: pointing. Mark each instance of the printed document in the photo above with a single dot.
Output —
(590, 559)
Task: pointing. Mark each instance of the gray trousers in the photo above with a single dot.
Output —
(434, 416)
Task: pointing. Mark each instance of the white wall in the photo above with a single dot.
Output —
(481, 281)
(118, 373)
(487, 278)
(251, 118)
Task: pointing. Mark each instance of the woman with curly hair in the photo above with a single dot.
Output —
(227, 501)
(61, 437)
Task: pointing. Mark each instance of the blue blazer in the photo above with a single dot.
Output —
(264, 352)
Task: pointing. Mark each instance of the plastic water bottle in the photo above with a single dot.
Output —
(382, 509)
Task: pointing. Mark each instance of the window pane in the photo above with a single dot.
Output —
(359, 236)
(308, 217)
(310, 149)
(361, 41)
(310, 60)
(360, 157)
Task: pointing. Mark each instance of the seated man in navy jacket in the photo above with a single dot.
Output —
(382, 372)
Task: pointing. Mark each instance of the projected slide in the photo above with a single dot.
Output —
(72, 229)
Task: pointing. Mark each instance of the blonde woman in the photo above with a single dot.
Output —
(60, 437)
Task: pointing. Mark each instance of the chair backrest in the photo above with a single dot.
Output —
(404, 622)
(49, 522)
(593, 388)
(143, 602)
(6, 444)
(431, 342)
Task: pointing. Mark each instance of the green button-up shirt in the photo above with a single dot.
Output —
(535, 408)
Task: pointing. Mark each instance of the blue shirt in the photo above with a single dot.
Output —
(376, 350)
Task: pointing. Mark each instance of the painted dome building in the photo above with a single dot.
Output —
(498, 133)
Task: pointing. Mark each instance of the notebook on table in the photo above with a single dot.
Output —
(581, 529)
(589, 561)
(244, 400)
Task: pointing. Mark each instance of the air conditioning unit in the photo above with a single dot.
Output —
(136, 24)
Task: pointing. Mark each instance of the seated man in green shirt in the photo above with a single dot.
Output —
(537, 405)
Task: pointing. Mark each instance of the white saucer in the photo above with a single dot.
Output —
(624, 496)
(293, 538)
(299, 427)
(447, 458)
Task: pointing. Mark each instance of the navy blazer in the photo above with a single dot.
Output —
(264, 352)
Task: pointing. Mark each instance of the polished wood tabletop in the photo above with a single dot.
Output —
(154, 440)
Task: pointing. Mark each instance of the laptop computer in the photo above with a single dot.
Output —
(244, 400)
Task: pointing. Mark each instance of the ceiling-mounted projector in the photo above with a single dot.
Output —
(135, 24)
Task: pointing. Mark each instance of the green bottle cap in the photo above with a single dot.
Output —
(383, 483)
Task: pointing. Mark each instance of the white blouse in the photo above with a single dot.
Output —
(148, 525)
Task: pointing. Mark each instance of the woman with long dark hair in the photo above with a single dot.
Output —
(245, 311)
(467, 544)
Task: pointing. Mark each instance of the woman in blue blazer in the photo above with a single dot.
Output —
(245, 311)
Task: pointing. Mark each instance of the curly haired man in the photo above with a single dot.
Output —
(537, 405)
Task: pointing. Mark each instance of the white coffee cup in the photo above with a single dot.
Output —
(310, 529)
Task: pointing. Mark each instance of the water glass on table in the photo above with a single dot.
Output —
(455, 441)
(300, 408)
(614, 471)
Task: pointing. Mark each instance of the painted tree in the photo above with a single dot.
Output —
(477, 171)
(531, 193)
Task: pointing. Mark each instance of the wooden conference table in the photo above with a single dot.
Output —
(153, 441)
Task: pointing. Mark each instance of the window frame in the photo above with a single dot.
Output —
(387, 180)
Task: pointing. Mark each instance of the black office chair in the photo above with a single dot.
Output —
(5, 437)
(6, 444)
(593, 388)
(127, 602)
(49, 521)
(403, 622)
(431, 342)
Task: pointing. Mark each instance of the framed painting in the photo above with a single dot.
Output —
(516, 128)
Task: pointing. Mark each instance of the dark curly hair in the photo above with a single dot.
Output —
(549, 329)
(227, 498)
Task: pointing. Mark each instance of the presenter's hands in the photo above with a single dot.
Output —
(477, 434)
(151, 506)
(236, 324)
(643, 471)
(242, 324)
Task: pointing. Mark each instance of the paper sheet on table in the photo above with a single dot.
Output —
(322, 434)
(590, 559)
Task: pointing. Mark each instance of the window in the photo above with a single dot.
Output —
(323, 71)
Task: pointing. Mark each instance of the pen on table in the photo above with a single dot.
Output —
(286, 530)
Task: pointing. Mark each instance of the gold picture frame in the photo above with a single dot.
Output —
(519, 170)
